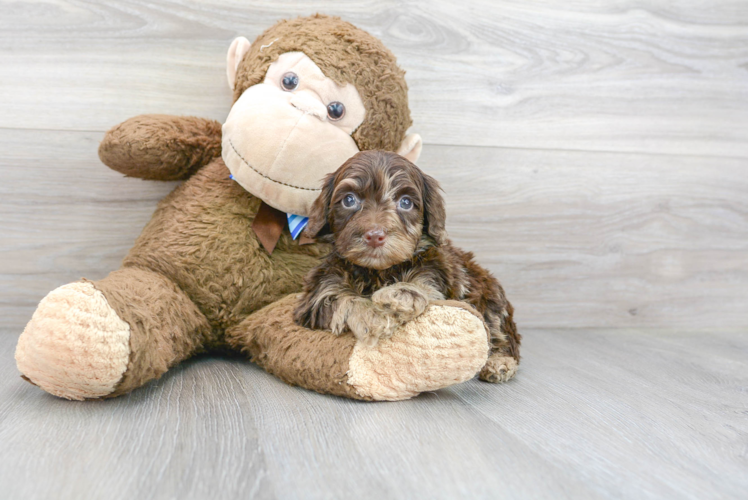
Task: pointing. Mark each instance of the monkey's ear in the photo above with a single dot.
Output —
(239, 47)
(411, 147)
(319, 225)
(434, 213)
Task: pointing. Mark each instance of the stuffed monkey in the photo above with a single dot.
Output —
(218, 266)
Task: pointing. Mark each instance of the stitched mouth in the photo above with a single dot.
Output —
(302, 188)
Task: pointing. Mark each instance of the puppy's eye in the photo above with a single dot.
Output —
(290, 81)
(405, 203)
(335, 110)
(350, 201)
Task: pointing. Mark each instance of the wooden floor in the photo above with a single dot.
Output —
(626, 414)
(594, 156)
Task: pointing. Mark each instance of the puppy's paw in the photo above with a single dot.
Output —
(372, 328)
(498, 368)
(369, 323)
(403, 300)
(337, 323)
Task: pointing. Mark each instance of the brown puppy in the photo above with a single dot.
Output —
(391, 257)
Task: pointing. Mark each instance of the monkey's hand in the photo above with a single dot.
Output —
(367, 321)
(161, 147)
(404, 301)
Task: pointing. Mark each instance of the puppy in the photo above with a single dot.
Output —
(391, 257)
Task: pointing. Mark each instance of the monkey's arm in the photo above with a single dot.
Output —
(161, 147)
(444, 346)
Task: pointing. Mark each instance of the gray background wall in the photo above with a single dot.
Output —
(594, 154)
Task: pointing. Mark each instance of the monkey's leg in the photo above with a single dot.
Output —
(445, 345)
(503, 362)
(105, 338)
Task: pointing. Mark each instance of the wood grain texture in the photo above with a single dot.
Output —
(63, 215)
(604, 239)
(592, 414)
(630, 76)
(578, 239)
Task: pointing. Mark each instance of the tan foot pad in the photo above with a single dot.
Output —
(444, 346)
(75, 345)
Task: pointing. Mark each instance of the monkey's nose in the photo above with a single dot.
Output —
(309, 105)
(375, 237)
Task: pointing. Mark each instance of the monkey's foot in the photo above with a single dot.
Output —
(499, 368)
(445, 345)
(75, 345)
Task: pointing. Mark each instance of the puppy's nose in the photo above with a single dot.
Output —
(374, 237)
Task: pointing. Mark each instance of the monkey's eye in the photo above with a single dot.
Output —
(335, 110)
(405, 203)
(290, 81)
(350, 201)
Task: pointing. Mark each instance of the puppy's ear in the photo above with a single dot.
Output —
(319, 225)
(434, 214)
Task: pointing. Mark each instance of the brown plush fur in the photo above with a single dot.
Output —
(198, 269)
(159, 310)
(369, 289)
(311, 359)
(330, 43)
(161, 147)
(201, 239)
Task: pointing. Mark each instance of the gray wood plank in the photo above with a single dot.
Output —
(579, 239)
(63, 215)
(630, 76)
(611, 402)
(184, 437)
(602, 239)
(592, 414)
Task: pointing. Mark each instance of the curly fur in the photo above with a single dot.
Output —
(345, 294)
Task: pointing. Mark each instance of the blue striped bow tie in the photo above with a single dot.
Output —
(296, 223)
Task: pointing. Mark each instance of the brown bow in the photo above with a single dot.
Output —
(268, 226)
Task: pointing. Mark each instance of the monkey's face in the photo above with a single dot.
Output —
(376, 206)
(285, 134)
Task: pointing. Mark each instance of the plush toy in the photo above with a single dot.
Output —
(219, 265)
